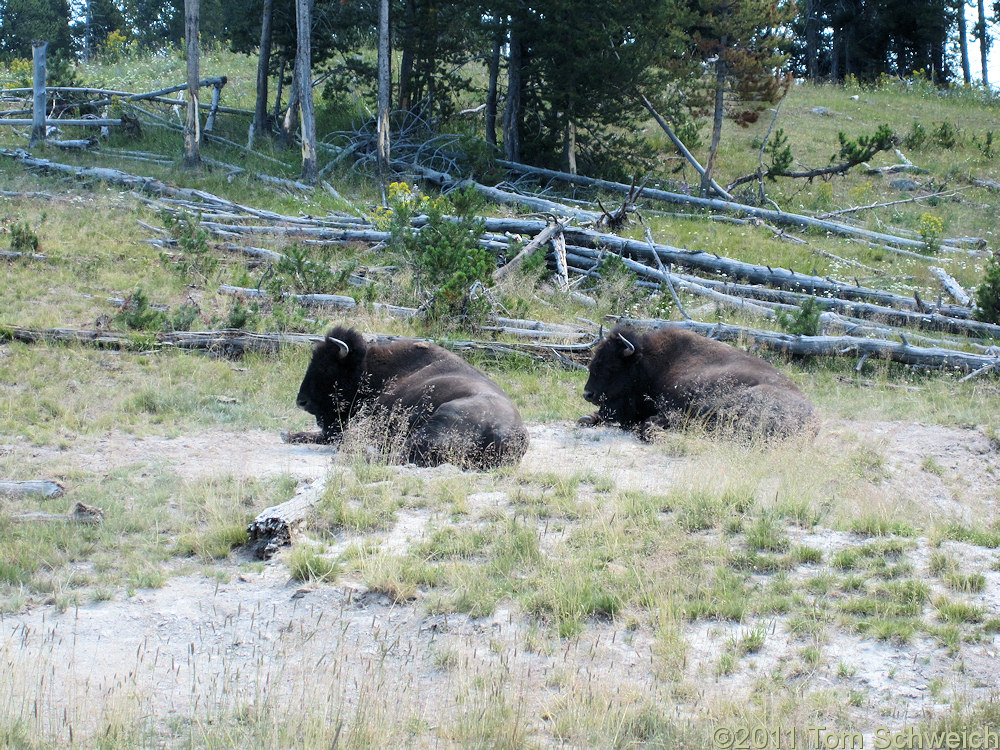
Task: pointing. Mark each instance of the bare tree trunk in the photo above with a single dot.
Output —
(290, 122)
(570, 143)
(963, 43)
(38, 51)
(384, 89)
(491, 96)
(303, 82)
(281, 84)
(812, 42)
(406, 59)
(512, 110)
(984, 41)
(263, 62)
(720, 89)
(88, 32)
(192, 129)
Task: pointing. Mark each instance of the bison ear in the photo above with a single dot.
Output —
(344, 348)
(629, 346)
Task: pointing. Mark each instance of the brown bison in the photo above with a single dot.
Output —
(669, 377)
(443, 408)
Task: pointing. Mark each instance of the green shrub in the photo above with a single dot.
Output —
(445, 253)
(917, 137)
(801, 322)
(195, 260)
(988, 293)
(945, 135)
(184, 317)
(23, 238)
(135, 313)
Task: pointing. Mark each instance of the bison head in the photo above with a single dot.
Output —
(330, 387)
(616, 382)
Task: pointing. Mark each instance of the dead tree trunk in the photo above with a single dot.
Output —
(273, 527)
(384, 90)
(491, 96)
(303, 78)
(192, 128)
(29, 488)
(38, 50)
(512, 110)
(263, 62)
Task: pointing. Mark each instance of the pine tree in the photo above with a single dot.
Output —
(23, 21)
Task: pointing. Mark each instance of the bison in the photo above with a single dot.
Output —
(669, 377)
(440, 407)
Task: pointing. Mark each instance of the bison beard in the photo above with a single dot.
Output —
(671, 377)
(441, 408)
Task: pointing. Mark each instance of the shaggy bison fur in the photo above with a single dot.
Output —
(440, 407)
(669, 377)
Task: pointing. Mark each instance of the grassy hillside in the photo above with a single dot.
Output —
(607, 593)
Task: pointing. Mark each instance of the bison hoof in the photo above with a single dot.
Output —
(588, 420)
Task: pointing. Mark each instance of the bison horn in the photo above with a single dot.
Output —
(344, 348)
(629, 344)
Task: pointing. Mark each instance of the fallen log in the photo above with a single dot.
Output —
(228, 342)
(781, 278)
(14, 255)
(444, 180)
(682, 149)
(235, 343)
(81, 513)
(731, 292)
(836, 346)
(273, 527)
(29, 488)
(767, 214)
(538, 241)
(951, 285)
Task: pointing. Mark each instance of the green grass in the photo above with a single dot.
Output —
(568, 558)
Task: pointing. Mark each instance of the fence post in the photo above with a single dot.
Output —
(39, 106)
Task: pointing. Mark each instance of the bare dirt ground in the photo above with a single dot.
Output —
(259, 638)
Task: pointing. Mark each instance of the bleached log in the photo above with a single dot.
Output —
(43, 487)
(836, 346)
(80, 144)
(536, 242)
(681, 148)
(273, 527)
(775, 217)
(14, 255)
(81, 513)
(496, 195)
(951, 285)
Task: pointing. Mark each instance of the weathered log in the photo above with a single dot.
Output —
(81, 144)
(681, 148)
(951, 286)
(730, 294)
(273, 527)
(775, 217)
(228, 342)
(15, 255)
(538, 241)
(43, 487)
(81, 513)
(338, 301)
(886, 204)
(445, 180)
(776, 277)
(235, 343)
(836, 346)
